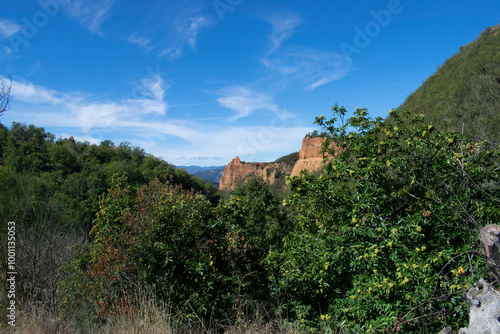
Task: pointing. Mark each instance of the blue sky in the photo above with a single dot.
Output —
(199, 82)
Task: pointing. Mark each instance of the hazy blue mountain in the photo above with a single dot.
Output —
(212, 173)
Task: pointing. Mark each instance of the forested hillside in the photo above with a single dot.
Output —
(464, 93)
(64, 178)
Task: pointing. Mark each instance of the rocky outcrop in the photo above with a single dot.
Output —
(483, 300)
(236, 170)
(268, 173)
(310, 159)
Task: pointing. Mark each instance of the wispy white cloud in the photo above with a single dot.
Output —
(89, 113)
(219, 145)
(309, 67)
(245, 101)
(172, 35)
(215, 144)
(5, 51)
(189, 30)
(28, 92)
(141, 41)
(283, 29)
(172, 28)
(8, 28)
(154, 87)
(186, 31)
(112, 113)
(90, 13)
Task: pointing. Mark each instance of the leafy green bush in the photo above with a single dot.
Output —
(256, 223)
(386, 237)
(202, 260)
(159, 236)
(73, 174)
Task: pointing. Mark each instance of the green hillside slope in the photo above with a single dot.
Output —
(44, 179)
(464, 93)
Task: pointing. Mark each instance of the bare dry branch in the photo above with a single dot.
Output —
(5, 96)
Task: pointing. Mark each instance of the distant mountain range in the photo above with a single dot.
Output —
(211, 174)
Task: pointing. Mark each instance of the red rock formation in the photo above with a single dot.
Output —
(268, 173)
(236, 170)
(310, 157)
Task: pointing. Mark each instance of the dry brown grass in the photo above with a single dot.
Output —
(32, 322)
(147, 317)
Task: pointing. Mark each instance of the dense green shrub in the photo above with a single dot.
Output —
(159, 236)
(256, 224)
(72, 174)
(203, 260)
(386, 237)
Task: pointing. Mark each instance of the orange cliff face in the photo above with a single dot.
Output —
(235, 171)
(310, 159)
